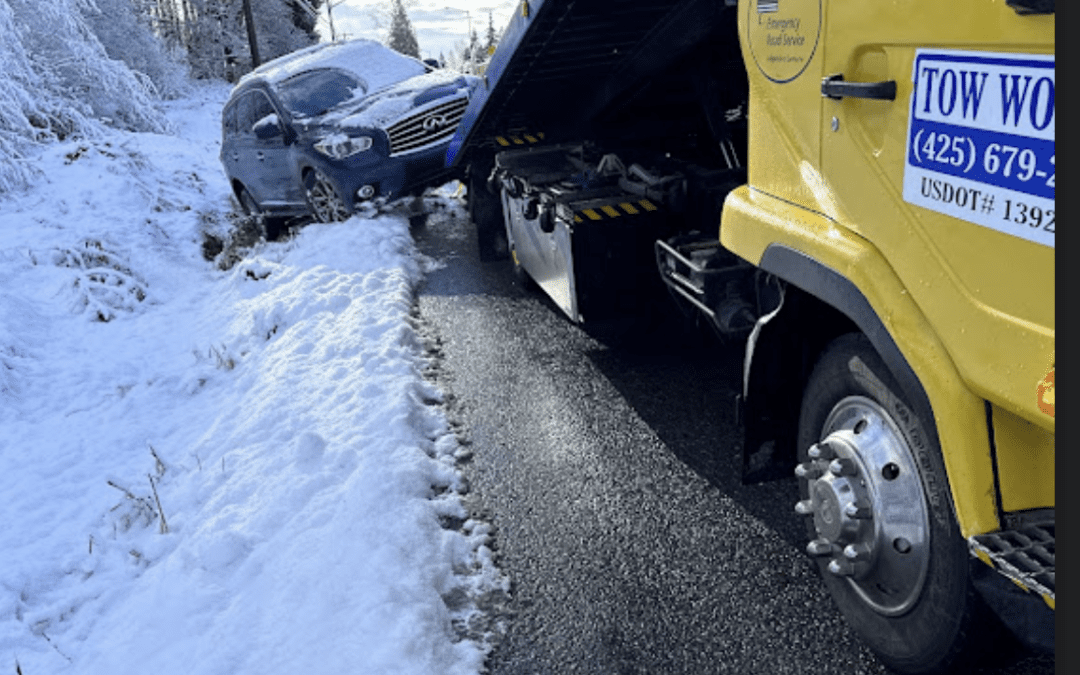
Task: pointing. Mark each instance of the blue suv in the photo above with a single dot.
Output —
(321, 130)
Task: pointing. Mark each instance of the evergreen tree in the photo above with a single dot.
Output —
(473, 53)
(402, 38)
(492, 38)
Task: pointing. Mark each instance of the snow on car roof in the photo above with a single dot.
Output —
(377, 64)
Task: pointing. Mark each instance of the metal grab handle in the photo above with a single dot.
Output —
(834, 86)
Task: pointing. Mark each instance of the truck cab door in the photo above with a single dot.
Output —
(950, 174)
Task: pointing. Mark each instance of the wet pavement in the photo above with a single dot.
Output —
(612, 479)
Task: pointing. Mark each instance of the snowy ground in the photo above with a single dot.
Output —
(220, 471)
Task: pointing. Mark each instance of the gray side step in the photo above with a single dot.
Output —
(1025, 555)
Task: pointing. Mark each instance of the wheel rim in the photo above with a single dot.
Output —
(324, 200)
(869, 506)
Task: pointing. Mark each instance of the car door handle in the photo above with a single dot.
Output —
(834, 87)
(236, 156)
(261, 155)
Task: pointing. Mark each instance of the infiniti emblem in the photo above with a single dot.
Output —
(435, 122)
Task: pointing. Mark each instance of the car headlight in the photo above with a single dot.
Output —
(340, 146)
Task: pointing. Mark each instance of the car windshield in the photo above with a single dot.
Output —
(313, 93)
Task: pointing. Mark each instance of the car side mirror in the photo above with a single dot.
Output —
(267, 128)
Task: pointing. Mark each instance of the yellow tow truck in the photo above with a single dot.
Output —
(861, 196)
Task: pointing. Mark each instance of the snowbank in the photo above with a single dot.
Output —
(219, 472)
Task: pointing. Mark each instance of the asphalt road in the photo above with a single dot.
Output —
(612, 479)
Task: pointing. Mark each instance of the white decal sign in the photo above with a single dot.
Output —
(980, 143)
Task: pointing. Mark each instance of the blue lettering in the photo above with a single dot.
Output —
(971, 91)
(1012, 97)
(1048, 113)
(946, 77)
(929, 73)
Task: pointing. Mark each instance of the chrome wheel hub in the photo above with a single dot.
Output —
(868, 506)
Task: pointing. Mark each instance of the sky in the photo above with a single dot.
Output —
(440, 25)
(215, 469)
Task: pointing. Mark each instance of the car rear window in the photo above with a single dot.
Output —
(313, 93)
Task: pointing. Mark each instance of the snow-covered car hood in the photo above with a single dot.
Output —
(387, 105)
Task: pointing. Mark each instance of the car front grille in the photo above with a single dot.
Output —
(426, 128)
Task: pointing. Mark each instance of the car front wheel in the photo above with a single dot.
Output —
(873, 487)
(325, 203)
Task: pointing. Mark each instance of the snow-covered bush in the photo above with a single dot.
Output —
(60, 81)
(127, 37)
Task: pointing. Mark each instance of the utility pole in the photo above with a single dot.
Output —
(252, 40)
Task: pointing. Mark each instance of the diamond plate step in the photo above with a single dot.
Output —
(1024, 554)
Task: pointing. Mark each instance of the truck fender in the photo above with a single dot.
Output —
(838, 292)
(818, 304)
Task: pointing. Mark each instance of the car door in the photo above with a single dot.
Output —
(267, 162)
(952, 177)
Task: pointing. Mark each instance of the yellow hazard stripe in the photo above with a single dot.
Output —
(610, 210)
(519, 139)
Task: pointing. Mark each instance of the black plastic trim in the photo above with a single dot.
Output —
(994, 461)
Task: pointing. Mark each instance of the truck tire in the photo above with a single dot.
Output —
(873, 487)
(486, 213)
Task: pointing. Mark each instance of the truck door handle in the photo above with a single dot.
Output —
(834, 87)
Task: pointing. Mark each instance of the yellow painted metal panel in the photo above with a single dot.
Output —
(1025, 458)
(989, 295)
(784, 114)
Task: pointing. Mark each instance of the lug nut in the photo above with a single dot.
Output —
(819, 547)
(843, 466)
(857, 552)
(842, 568)
(860, 511)
(804, 508)
(809, 471)
(821, 451)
